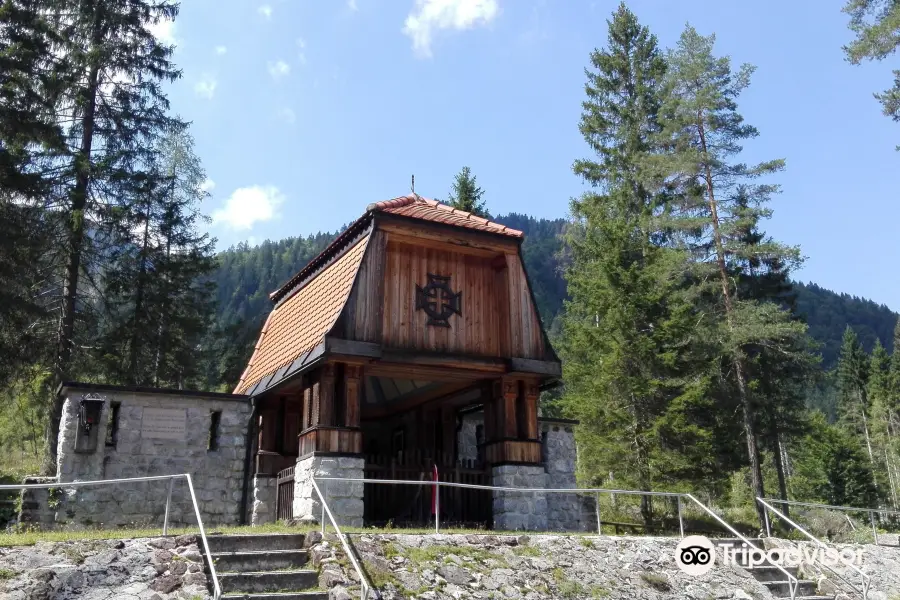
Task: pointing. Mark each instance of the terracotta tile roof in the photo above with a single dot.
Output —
(431, 210)
(301, 321)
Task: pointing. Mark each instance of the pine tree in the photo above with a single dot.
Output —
(625, 326)
(466, 195)
(112, 108)
(712, 196)
(876, 24)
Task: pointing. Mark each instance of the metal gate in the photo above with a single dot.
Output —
(284, 498)
(413, 505)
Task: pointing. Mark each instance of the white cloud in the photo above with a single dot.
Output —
(279, 69)
(351, 4)
(206, 86)
(301, 55)
(220, 50)
(208, 185)
(249, 205)
(164, 31)
(287, 115)
(430, 16)
(265, 10)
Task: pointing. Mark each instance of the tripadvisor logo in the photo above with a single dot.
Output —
(696, 555)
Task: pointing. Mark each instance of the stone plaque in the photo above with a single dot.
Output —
(164, 423)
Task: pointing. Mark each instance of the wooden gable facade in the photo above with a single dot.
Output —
(416, 313)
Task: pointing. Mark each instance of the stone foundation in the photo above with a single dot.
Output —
(344, 498)
(565, 511)
(515, 511)
(265, 490)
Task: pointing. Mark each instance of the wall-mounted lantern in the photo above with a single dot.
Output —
(89, 410)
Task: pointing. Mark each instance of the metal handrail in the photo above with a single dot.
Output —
(793, 582)
(364, 581)
(865, 578)
(872, 511)
(217, 590)
(474, 486)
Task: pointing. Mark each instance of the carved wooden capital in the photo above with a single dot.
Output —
(352, 371)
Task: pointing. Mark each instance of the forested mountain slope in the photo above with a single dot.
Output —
(246, 275)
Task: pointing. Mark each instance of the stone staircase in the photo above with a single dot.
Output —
(264, 567)
(773, 578)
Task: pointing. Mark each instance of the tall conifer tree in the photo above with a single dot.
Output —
(712, 197)
(625, 323)
(112, 109)
(159, 302)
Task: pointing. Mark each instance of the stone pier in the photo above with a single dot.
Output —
(519, 511)
(344, 498)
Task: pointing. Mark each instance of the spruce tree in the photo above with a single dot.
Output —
(711, 198)
(876, 24)
(112, 108)
(158, 299)
(27, 87)
(625, 324)
(854, 409)
(466, 195)
(878, 391)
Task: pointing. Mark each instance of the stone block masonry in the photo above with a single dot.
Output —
(564, 511)
(265, 490)
(142, 446)
(344, 498)
(519, 511)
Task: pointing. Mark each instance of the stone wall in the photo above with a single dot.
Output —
(265, 490)
(149, 568)
(218, 472)
(564, 511)
(519, 511)
(529, 567)
(344, 498)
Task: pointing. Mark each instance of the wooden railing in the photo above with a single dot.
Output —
(284, 499)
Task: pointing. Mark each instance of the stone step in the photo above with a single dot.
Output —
(268, 582)
(219, 543)
(781, 589)
(771, 572)
(264, 560)
(288, 596)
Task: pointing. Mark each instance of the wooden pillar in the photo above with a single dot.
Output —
(530, 398)
(326, 395)
(509, 400)
(352, 379)
(511, 423)
(328, 428)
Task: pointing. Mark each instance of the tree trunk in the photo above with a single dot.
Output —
(643, 463)
(134, 347)
(778, 456)
(76, 229)
(865, 420)
(756, 477)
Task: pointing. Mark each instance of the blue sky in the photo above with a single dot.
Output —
(304, 111)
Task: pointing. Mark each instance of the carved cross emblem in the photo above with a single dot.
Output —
(438, 301)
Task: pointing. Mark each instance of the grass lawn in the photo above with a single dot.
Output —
(32, 537)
